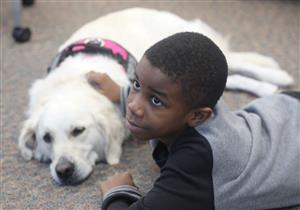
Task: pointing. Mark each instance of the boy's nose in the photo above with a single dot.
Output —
(135, 107)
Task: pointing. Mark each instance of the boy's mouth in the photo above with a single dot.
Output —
(133, 127)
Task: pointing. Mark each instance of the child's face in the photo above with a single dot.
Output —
(155, 107)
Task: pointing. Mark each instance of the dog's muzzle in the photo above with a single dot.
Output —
(65, 170)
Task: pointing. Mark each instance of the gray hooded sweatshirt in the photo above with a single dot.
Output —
(256, 153)
(243, 160)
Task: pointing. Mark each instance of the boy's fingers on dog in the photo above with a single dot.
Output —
(105, 85)
(90, 73)
(96, 86)
(94, 76)
(95, 79)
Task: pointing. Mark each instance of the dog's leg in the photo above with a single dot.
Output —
(255, 58)
(258, 88)
(114, 151)
(258, 67)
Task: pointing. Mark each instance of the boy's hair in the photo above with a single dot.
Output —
(196, 62)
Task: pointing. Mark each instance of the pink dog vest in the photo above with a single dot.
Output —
(97, 46)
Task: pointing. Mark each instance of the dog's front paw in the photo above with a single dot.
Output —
(113, 154)
(112, 160)
(26, 153)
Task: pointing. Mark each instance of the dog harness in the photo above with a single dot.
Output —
(97, 46)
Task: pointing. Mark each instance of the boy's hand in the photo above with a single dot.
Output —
(117, 180)
(104, 85)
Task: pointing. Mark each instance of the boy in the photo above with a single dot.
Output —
(209, 157)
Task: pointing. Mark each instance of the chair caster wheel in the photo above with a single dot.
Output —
(27, 2)
(21, 34)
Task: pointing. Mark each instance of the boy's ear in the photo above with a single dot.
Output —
(198, 116)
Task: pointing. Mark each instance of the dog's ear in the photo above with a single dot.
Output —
(27, 138)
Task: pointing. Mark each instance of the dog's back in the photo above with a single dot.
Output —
(138, 28)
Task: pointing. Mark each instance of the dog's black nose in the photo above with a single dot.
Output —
(64, 168)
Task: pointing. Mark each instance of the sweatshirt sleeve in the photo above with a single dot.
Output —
(120, 198)
(185, 181)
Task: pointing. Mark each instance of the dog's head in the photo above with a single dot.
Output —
(73, 131)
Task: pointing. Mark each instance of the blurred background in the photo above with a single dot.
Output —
(269, 27)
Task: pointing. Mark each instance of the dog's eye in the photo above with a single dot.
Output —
(77, 131)
(47, 138)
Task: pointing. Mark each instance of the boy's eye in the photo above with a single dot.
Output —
(156, 102)
(136, 85)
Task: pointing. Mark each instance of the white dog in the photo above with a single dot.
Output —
(73, 126)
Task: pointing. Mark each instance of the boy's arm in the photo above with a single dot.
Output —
(106, 86)
(119, 192)
(185, 182)
(120, 198)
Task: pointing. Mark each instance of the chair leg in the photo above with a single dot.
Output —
(20, 34)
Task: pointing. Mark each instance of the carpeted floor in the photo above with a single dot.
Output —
(268, 27)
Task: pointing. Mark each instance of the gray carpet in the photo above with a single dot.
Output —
(268, 27)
